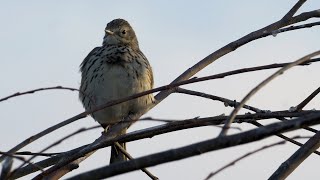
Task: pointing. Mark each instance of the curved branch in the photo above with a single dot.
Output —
(202, 64)
(162, 129)
(235, 104)
(242, 157)
(297, 158)
(220, 142)
(166, 87)
(169, 127)
(57, 142)
(248, 154)
(41, 89)
(262, 84)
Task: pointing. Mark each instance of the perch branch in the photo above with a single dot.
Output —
(200, 148)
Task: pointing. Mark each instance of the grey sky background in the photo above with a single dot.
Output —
(42, 44)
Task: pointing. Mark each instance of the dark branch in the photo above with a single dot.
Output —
(284, 137)
(262, 84)
(300, 106)
(56, 143)
(176, 125)
(41, 89)
(200, 148)
(297, 158)
(130, 157)
(111, 103)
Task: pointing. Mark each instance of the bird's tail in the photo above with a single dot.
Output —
(116, 154)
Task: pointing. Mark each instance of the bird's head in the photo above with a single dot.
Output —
(119, 32)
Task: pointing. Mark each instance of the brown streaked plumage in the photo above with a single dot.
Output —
(115, 70)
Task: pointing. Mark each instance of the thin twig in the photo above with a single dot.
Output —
(42, 89)
(240, 158)
(248, 154)
(293, 10)
(262, 84)
(297, 158)
(235, 104)
(6, 168)
(58, 142)
(284, 137)
(300, 106)
(225, 101)
(130, 157)
(166, 87)
(28, 153)
(167, 128)
(84, 114)
(199, 148)
(24, 161)
(219, 53)
(43, 163)
(302, 26)
(112, 139)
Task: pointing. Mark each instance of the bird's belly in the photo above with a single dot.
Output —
(115, 83)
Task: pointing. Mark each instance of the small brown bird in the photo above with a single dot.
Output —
(115, 70)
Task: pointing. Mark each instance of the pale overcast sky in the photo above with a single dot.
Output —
(42, 44)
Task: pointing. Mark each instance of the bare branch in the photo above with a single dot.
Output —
(300, 106)
(302, 26)
(297, 158)
(246, 155)
(28, 153)
(22, 160)
(130, 157)
(43, 133)
(200, 148)
(262, 84)
(240, 158)
(225, 101)
(283, 137)
(44, 163)
(166, 91)
(41, 89)
(7, 165)
(65, 169)
(293, 10)
(166, 87)
(235, 104)
(161, 129)
(6, 168)
(240, 42)
(58, 142)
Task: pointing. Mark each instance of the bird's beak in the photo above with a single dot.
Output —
(109, 32)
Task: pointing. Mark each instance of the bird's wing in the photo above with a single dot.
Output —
(85, 61)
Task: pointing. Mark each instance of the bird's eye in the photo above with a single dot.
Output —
(124, 32)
